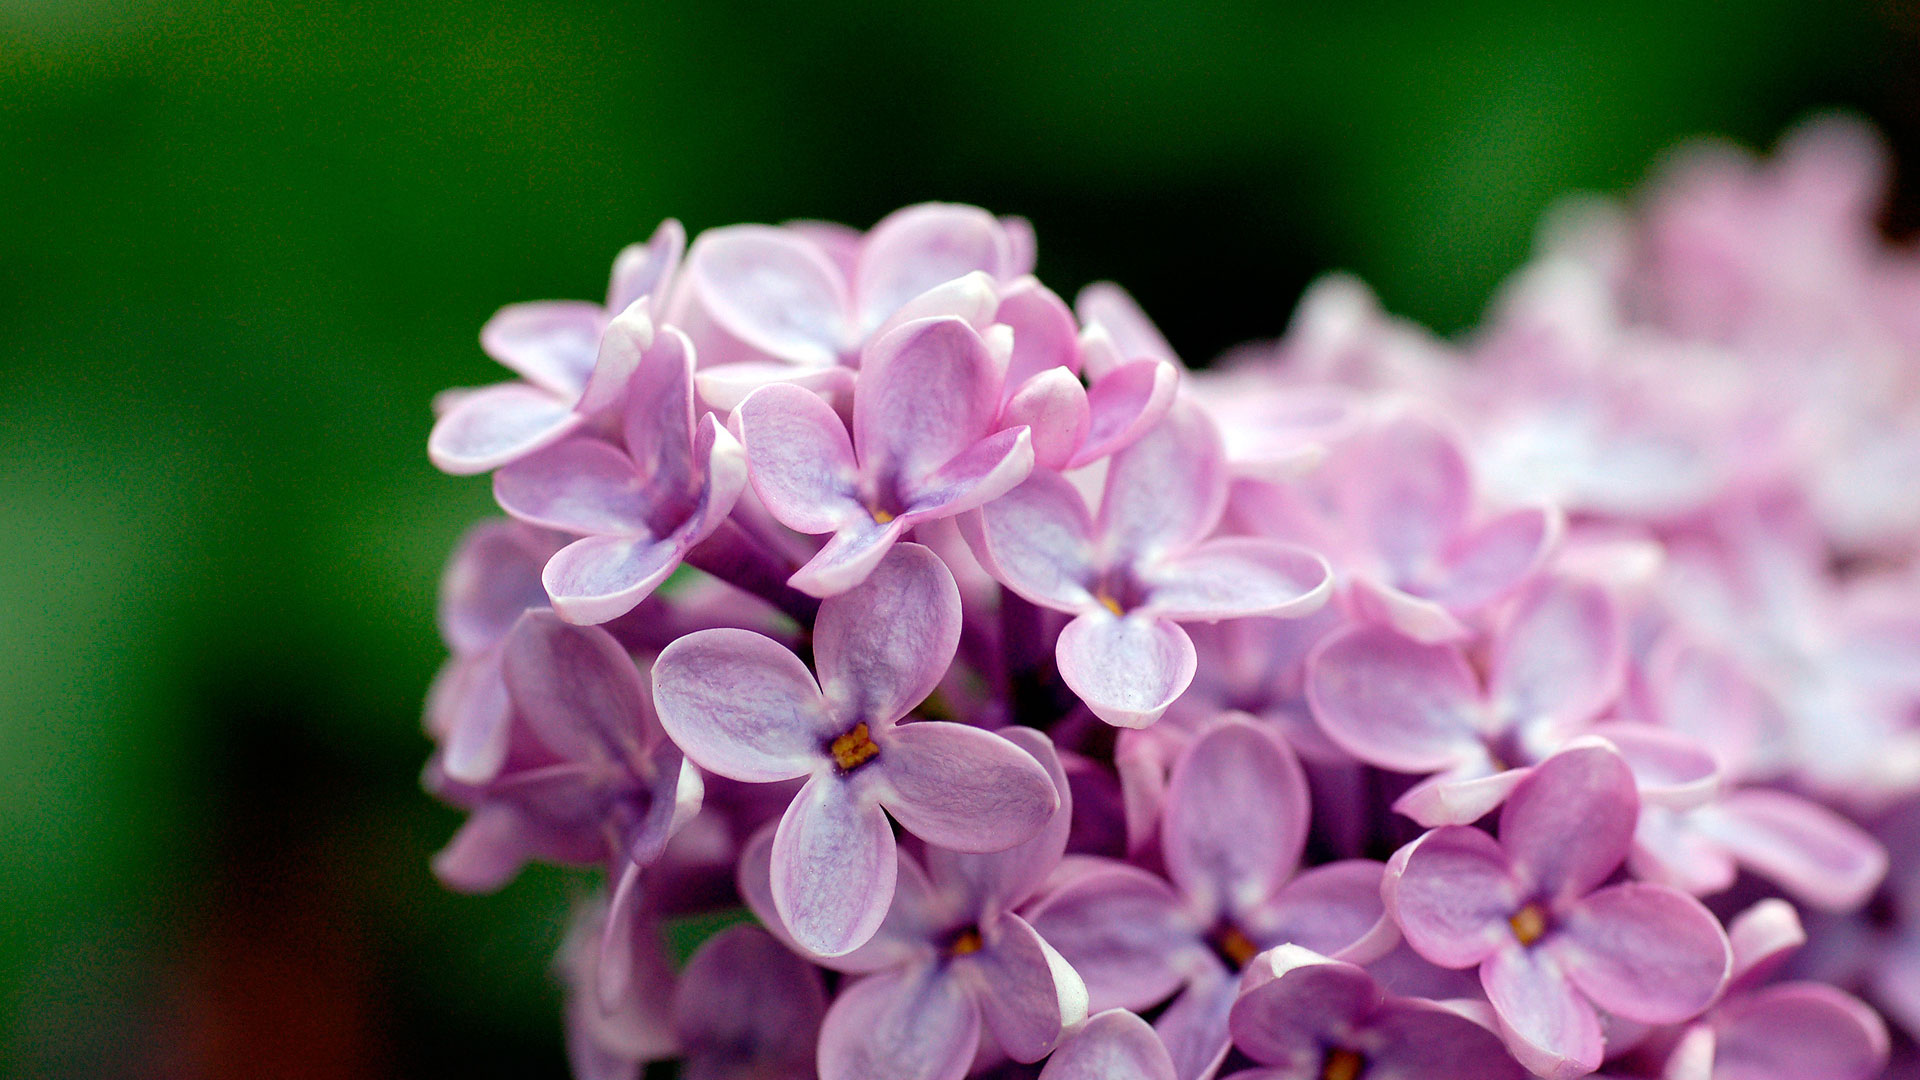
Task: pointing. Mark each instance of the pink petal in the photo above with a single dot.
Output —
(882, 647)
(1110, 306)
(746, 1006)
(550, 343)
(1559, 659)
(1334, 909)
(1038, 541)
(1044, 334)
(1452, 892)
(1115, 1045)
(834, 865)
(1167, 491)
(601, 578)
(1426, 1040)
(494, 575)
(1798, 1031)
(475, 697)
(1670, 767)
(1645, 952)
(1237, 576)
(1407, 491)
(1235, 819)
(981, 473)
(1003, 880)
(914, 1024)
(1393, 702)
(1762, 937)
(772, 290)
(626, 339)
(578, 691)
(1294, 1002)
(498, 424)
(1124, 404)
(659, 420)
(741, 705)
(1489, 563)
(1194, 1027)
(915, 249)
(799, 459)
(1547, 1025)
(928, 391)
(846, 560)
(1123, 929)
(1127, 669)
(904, 936)
(1459, 796)
(646, 270)
(1570, 824)
(1423, 620)
(725, 386)
(578, 486)
(972, 298)
(1053, 406)
(1027, 993)
(1823, 859)
(961, 787)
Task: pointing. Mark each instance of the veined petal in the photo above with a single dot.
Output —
(1053, 406)
(1124, 404)
(578, 690)
(1194, 1027)
(659, 420)
(1002, 880)
(625, 340)
(578, 486)
(1236, 576)
(1295, 1002)
(741, 705)
(1334, 909)
(1123, 929)
(1394, 702)
(883, 646)
(799, 459)
(834, 865)
(929, 390)
(601, 578)
(1027, 993)
(962, 787)
(1167, 491)
(771, 289)
(1548, 1026)
(1044, 334)
(550, 343)
(1570, 824)
(905, 935)
(1646, 952)
(983, 472)
(497, 424)
(1127, 669)
(919, 1023)
(493, 577)
(1235, 819)
(844, 562)
(1459, 796)
(1038, 541)
(914, 249)
(1452, 892)
(725, 386)
(1115, 1045)
(1823, 859)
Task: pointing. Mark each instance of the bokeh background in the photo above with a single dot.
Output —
(241, 245)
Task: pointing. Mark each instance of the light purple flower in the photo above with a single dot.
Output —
(1305, 1017)
(742, 706)
(1232, 833)
(1115, 1045)
(614, 1039)
(640, 509)
(574, 356)
(1130, 573)
(950, 957)
(1393, 508)
(747, 1008)
(925, 446)
(1550, 943)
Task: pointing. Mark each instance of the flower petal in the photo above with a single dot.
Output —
(1127, 669)
(550, 343)
(961, 787)
(479, 717)
(919, 1023)
(1646, 952)
(1045, 336)
(1798, 1031)
(1333, 909)
(1053, 406)
(1459, 796)
(647, 269)
(846, 559)
(746, 1006)
(1124, 404)
(578, 486)
(625, 340)
(659, 419)
(1194, 1027)
(1823, 859)
(601, 578)
(1123, 929)
(1405, 487)
(1424, 1040)
(882, 647)
(928, 391)
(1452, 892)
(770, 289)
(834, 865)
(725, 386)
(904, 936)
(497, 424)
(1671, 768)
(1237, 576)
(1235, 819)
(1394, 702)
(1558, 661)
(578, 691)
(1038, 541)
(1002, 880)
(494, 575)
(799, 459)
(1109, 306)
(1547, 1025)
(914, 249)
(1167, 491)
(981, 473)
(1294, 1002)
(1494, 559)
(1027, 993)
(1570, 824)
(741, 705)
(1115, 1045)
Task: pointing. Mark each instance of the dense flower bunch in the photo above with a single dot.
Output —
(1366, 706)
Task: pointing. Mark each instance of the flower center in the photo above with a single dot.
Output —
(854, 749)
(1342, 1064)
(966, 943)
(880, 517)
(1529, 924)
(1107, 601)
(1235, 947)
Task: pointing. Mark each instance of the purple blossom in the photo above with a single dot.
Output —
(747, 1008)
(744, 707)
(1130, 573)
(1551, 944)
(1305, 1017)
(1115, 1045)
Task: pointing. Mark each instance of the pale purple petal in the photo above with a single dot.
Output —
(1115, 311)
(918, 1023)
(1038, 541)
(1053, 406)
(1559, 659)
(973, 298)
(1423, 620)
(1123, 929)
(1235, 819)
(741, 705)
(1762, 937)
(1167, 491)
(799, 459)
(1820, 857)
(1027, 993)
(578, 691)
(1645, 952)
(725, 386)
(834, 865)
(1127, 669)
(981, 473)
(1294, 1002)
(474, 697)
(494, 575)
(626, 340)
(1002, 880)
(846, 559)
(746, 1006)
(601, 578)
(882, 647)
(1237, 576)
(928, 391)
(905, 935)
(1394, 702)
(1334, 909)
(646, 269)
(498, 424)
(962, 787)
(1194, 1027)
(1490, 562)
(1124, 404)
(550, 343)
(772, 290)
(1407, 491)
(658, 423)
(1044, 334)
(1798, 1031)
(1115, 1045)
(487, 851)
(1569, 824)
(578, 486)
(1459, 796)
(914, 249)
(1548, 1026)
(1452, 892)
(1423, 1040)
(1671, 768)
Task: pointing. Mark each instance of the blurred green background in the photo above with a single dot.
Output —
(241, 245)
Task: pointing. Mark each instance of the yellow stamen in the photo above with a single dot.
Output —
(1342, 1065)
(966, 944)
(853, 749)
(1108, 602)
(1529, 924)
(1236, 946)
(880, 517)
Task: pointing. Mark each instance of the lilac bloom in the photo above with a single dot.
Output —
(1232, 834)
(588, 776)
(950, 956)
(1304, 1017)
(639, 510)
(1115, 1045)
(744, 707)
(614, 1040)
(1132, 572)
(1556, 663)
(575, 358)
(1394, 509)
(747, 1008)
(1551, 945)
(925, 446)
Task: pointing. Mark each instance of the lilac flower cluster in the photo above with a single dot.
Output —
(1365, 706)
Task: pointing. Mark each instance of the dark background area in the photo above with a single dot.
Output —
(242, 244)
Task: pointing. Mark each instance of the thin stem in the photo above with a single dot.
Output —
(742, 560)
